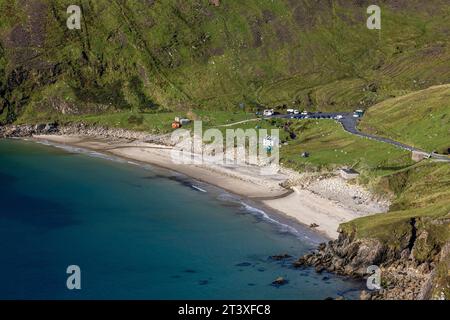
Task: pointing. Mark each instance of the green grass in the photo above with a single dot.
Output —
(421, 192)
(331, 147)
(420, 119)
(157, 122)
(138, 64)
(189, 55)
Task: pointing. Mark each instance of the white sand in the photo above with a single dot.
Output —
(303, 205)
(309, 208)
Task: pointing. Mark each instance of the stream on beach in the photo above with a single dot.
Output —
(140, 232)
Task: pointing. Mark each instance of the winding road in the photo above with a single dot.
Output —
(350, 124)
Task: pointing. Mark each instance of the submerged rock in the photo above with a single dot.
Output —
(244, 264)
(280, 257)
(280, 281)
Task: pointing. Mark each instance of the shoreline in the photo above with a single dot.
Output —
(256, 206)
(305, 204)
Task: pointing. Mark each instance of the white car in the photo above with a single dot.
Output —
(296, 112)
(268, 113)
(290, 111)
(339, 117)
(304, 113)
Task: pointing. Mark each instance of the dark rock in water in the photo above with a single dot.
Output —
(244, 264)
(404, 277)
(189, 271)
(301, 262)
(261, 269)
(280, 257)
(251, 284)
(203, 282)
(320, 269)
(304, 274)
(280, 281)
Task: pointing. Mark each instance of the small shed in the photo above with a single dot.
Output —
(348, 173)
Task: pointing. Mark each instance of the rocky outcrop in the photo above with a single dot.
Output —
(403, 277)
(20, 131)
(345, 256)
(80, 129)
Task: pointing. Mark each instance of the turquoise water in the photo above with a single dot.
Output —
(138, 233)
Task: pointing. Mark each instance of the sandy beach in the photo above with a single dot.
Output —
(322, 202)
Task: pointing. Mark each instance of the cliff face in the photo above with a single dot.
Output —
(403, 276)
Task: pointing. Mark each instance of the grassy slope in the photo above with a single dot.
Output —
(142, 58)
(423, 194)
(331, 147)
(420, 119)
(182, 55)
(154, 122)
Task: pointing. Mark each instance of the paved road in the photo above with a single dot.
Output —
(350, 123)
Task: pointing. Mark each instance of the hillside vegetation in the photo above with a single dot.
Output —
(419, 215)
(421, 119)
(330, 147)
(177, 55)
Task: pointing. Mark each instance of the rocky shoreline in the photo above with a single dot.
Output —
(403, 277)
(81, 129)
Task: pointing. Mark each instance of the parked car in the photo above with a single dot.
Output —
(290, 111)
(358, 113)
(268, 112)
(305, 113)
(339, 117)
(296, 111)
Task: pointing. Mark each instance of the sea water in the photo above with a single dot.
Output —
(139, 232)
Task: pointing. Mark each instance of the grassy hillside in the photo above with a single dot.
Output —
(422, 199)
(331, 147)
(154, 122)
(421, 119)
(154, 56)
